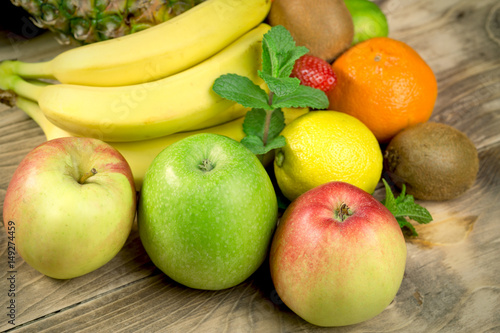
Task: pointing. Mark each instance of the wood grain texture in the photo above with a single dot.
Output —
(452, 278)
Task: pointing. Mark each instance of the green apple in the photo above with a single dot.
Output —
(338, 256)
(70, 206)
(207, 211)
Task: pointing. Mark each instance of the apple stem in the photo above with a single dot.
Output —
(206, 165)
(87, 175)
(343, 212)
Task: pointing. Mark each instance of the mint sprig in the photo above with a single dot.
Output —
(404, 207)
(264, 123)
(242, 90)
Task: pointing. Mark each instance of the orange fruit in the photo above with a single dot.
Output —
(385, 84)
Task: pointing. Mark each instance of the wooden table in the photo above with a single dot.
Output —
(452, 280)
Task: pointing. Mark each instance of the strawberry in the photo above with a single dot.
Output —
(314, 72)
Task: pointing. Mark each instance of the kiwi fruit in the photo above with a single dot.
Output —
(325, 27)
(435, 161)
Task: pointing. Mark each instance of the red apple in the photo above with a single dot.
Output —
(338, 256)
(70, 206)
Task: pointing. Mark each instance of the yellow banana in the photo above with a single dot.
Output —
(233, 112)
(32, 109)
(174, 104)
(140, 154)
(154, 53)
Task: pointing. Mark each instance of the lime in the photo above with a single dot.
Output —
(369, 20)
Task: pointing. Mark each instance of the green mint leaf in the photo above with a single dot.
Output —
(289, 59)
(280, 86)
(303, 96)
(406, 206)
(253, 125)
(254, 144)
(389, 202)
(403, 207)
(265, 121)
(276, 124)
(402, 198)
(275, 42)
(405, 225)
(241, 90)
(266, 125)
(414, 212)
(279, 52)
(275, 143)
(403, 193)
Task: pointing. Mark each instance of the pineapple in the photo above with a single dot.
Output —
(89, 21)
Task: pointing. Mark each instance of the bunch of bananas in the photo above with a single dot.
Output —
(144, 91)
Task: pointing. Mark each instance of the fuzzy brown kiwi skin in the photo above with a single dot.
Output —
(435, 161)
(325, 27)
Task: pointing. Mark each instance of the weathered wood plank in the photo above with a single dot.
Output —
(38, 295)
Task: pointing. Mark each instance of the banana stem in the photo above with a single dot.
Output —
(21, 87)
(37, 70)
(33, 110)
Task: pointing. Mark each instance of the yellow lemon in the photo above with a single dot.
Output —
(324, 146)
